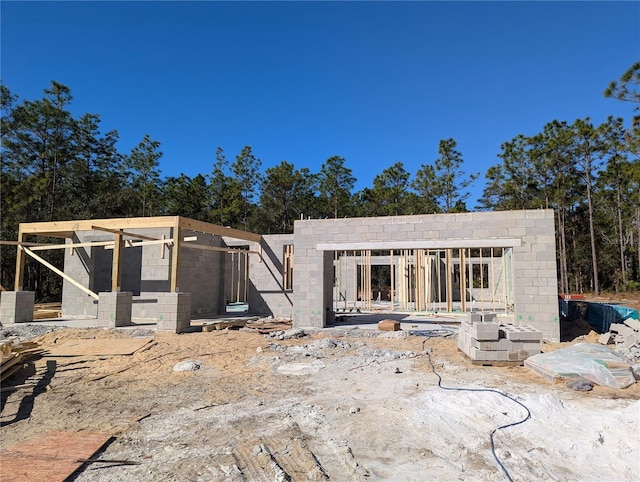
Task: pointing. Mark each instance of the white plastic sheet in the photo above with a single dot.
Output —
(591, 361)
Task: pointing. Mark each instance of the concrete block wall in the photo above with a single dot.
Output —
(81, 266)
(483, 338)
(143, 268)
(114, 309)
(145, 273)
(533, 264)
(201, 273)
(267, 295)
(309, 271)
(17, 306)
(174, 311)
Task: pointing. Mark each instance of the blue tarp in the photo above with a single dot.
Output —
(599, 315)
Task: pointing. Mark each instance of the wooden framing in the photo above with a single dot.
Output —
(120, 227)
(287, 268)
(426, 279)
(124, 233)
(20, 259)
(174, 287)
(59, 272)
(116, 269)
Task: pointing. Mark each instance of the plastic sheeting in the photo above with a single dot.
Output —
(590, 361)
(599, 315)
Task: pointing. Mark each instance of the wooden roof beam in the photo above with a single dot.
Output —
(123, 233)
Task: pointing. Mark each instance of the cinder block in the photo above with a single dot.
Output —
(605, 338)
(633, 324)
(485, 331)
(502, 344)
(621, 329)
(474, 317)
(485, 355)
(521, 333)
(521, 355)
(489, 317)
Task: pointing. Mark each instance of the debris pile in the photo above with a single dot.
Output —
(15, 354)
(482, 338)
(626, 337)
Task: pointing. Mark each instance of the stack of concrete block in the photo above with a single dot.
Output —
(114, 308)
(16, 306)
(483, 338)
(174, 312)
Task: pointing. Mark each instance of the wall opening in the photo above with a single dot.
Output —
(424, 280)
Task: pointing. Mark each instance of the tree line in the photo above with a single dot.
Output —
(56, 166)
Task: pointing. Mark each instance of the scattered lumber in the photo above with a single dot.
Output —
(42, 311)
(15, 355)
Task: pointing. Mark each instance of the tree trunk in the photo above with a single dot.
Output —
(621, 238)
(594, 257)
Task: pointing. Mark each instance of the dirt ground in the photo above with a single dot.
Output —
(337, 404)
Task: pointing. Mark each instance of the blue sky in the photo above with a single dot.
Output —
(373, 82)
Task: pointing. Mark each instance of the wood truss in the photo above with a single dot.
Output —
(121, 230)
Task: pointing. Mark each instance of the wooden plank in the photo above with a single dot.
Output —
(217, 248)
(20, 259)
(59, 272)
(209, 228)
(175, 259)
(44, 247)
(116, 270)
(18, 243)
(100, 346)
(64, 227)
(448, 280)
(50, 457)
(125, 233)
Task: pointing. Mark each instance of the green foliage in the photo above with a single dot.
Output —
(450, 180)
(628, 87)
(246, 170)
(144, 177)
(425, 185)
(335, 182)
(286, 194)
(188, 197)
(389, 196)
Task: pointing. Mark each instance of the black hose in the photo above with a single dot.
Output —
(493, 450)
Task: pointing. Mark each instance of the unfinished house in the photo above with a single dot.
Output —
(169, 269)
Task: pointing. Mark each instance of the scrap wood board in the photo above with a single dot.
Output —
(100, 346)
(49, 457)
(269, 327)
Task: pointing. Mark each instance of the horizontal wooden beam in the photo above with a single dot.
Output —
(124, 233)
(65, 229)
(134, 244)
(45, 246)
(208, 228)
(58, 227)
(216, 248)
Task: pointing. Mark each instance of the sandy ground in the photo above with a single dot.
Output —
(338, 404)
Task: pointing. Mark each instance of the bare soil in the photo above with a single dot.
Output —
(338, 404)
